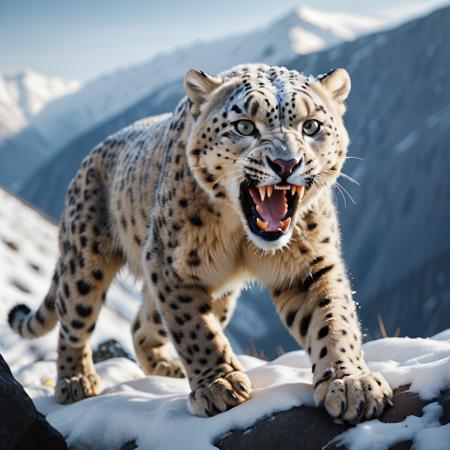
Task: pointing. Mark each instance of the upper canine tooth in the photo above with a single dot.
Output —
(293, 189)
(262, 192)
(301, 191)
(269, 190)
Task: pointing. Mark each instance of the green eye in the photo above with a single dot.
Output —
(245, 127)
(311, 127)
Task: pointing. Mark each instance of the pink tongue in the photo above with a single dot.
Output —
(272, 209)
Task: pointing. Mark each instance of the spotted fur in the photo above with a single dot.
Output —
(165, 197)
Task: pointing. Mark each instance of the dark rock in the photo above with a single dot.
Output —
(406, 403)
(130, 445)
(110, 349)
(308, 428)
(444, 400)
(21, 425)
(405, 445)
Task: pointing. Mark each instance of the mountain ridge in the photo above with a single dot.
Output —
(24, 93)
(68, 118)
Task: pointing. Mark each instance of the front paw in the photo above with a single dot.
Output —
(353, 398)
(220, 395)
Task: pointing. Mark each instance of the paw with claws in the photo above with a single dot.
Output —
(220, 395)
(357, 397)
(78, 387)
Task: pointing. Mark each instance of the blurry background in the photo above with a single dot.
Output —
(73, 72)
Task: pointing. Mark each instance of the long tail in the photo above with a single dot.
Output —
(32, 325)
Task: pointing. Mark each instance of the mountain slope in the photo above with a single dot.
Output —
(28, 252)
(64, 120)
(398, 120)
(399, 123)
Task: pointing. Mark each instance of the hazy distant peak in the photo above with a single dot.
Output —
(23, 94)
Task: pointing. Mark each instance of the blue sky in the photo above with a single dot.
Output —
(82, 39)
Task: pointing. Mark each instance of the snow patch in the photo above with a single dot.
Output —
(376, 435)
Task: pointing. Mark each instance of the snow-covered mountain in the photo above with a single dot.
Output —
(25, 94)
(302, 31)
(398, 120)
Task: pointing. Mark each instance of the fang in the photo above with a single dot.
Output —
(285, 224)
(262, 192)
(261, 224)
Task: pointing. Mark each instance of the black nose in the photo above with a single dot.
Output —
(282, 167)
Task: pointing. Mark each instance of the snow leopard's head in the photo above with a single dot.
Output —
(267, 139)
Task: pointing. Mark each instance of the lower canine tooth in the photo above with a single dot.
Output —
(261, 224)
(285, 224)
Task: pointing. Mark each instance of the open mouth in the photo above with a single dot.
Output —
(269, 209)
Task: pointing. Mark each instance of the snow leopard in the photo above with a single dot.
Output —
(234, 186)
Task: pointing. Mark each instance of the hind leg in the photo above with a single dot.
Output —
(223, 306)
(151, 341)
(80, 297)
(89, 263)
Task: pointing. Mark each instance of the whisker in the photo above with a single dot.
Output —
(223, 165)
(349, 178)
(356, 157)
(343, 196)
(231, 172)
(239, 178)
(345, 190)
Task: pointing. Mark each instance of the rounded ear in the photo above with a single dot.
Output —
(198, 86)
(337, 82)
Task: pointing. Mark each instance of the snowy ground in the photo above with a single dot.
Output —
(153, 410)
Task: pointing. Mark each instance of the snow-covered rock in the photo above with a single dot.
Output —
(152, 411)
(309, 428)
